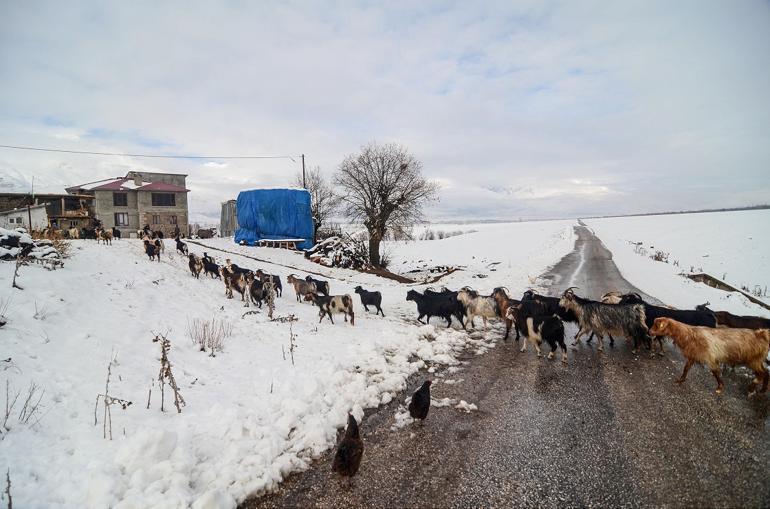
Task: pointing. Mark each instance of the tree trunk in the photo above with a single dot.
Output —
(374, 250)
(316, 226)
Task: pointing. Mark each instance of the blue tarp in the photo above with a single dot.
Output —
(274, 214)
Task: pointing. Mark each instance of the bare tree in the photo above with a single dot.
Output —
(383, 186)
(323, 200)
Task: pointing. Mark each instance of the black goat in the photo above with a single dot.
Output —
(236, 269)
(115, 233)
(451, 295)
(696, 317)
(368, 298)
(210, 267)
(548, 328)
(151, 251)
(181, 246)
(736, 321)
(441, 304)
(552, 305)
(256, 290)
(321, 286)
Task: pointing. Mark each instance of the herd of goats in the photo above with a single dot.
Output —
(706, 337)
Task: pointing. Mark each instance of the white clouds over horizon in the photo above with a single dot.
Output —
(518, 109)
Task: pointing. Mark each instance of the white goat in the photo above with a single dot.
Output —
(477, 305)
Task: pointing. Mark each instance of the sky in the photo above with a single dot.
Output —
(517, 109)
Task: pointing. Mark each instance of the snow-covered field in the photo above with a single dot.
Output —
(733, 246)
(493, 249)
(251, 417)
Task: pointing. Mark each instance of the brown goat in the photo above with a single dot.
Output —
(503, 303)
(713, 347)
(234, 280)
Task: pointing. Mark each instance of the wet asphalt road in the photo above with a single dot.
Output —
(608, 429)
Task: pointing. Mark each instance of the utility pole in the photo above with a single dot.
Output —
(29, 211)
(304, 184)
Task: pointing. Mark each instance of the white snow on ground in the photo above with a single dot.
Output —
(733, 245)
(493, 249)
(251, 416)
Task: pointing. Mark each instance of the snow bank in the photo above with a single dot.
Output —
(251, 416)
(733, 246)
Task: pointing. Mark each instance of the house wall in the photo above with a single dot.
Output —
(147, 211)
(39, 218)
(105, 210)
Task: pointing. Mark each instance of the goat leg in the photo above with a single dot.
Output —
(579, 333)
(687, 367)
(552, 352)
(720, 383)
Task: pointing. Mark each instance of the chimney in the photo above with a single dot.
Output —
(138, 179)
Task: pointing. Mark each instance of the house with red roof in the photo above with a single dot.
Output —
(138, 199)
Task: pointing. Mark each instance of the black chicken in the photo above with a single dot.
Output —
(420, 404)
(349, 451)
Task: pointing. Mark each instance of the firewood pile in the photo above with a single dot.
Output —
(15, 243)
(343, 252)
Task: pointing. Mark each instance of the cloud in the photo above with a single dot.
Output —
(573, 108)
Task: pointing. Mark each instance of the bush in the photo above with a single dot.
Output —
(209, 334)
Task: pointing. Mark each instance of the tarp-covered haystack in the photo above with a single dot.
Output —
(16, 242)
(274, 214)
(343, 252)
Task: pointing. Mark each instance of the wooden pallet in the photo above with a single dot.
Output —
(280, 243)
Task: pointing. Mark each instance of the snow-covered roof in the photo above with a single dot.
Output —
(128, 184)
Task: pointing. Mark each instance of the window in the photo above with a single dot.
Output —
(12, 220)
(163, 200)
(121, 219)
(120, 199)
(155, 219)
(172, 219)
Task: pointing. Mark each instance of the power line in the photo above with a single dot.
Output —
(159, 156)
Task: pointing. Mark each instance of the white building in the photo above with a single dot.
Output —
(19, 218)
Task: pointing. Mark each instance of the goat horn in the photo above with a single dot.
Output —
(569, 290)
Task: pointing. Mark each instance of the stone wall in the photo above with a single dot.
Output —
(147, 211)
(105, 210)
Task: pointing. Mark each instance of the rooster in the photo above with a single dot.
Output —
(420, 404)
(349, 451)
